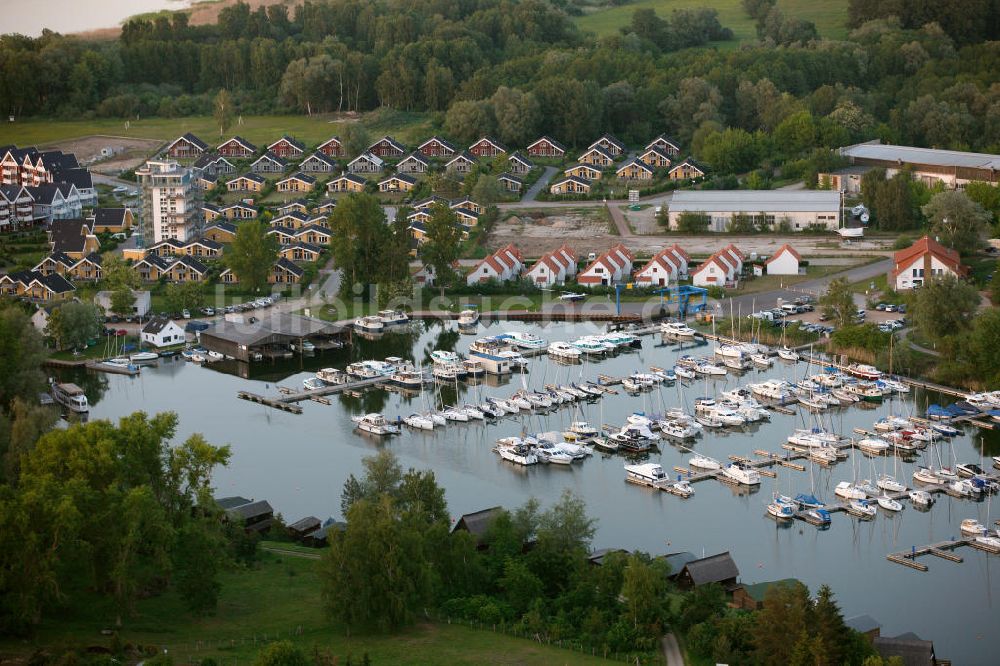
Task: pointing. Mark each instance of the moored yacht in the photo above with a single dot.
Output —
(375, 424)
(564, 350)
(646, 474)
(393, 317)
(526, 340)
(741, 474)
(677, 329)
(70, 396)
(972, 527)
(332, 376)
(370, 324)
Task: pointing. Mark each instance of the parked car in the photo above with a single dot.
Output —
(208, 311)
(186, 313)
(891, 307)
(880, 307)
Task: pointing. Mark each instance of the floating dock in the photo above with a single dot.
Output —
(942, 549)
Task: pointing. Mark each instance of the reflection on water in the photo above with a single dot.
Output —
(299, 463)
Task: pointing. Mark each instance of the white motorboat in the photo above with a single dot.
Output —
(895, 386)
(738, 363)
(728, 417)
(741, 474)
(677, 329)
(824, 454)
(313, 383)
(468, 317)
(734, 351)
(708, 421)
(944, 429)
(682, 488)
(393, 317)
(490, 410)
(812, 403)
(844, 396)
(408, 379)
(849, 491)
(512, 449)
(445, 357)
(861, 508)
(143, 357)
(548, 452)
(862, 371)
(676, 429)
(969, 470)
(988, 542)
(452, 414)
(772, 389)
(369, 369)
(520, 401)
(763, 360)
(874, 445)
(370, 324)
(473, 412)
(704, 462)
(526, 340)
(577, 393)
(332, 376)
(537, 400)
(631, 385)
(780, 510)
(70, 396)
(972, 527)
(946, 473)
(787, 354)
(583, 430)
(928, 475)
(888, 483)
(921, 497)
(504, 406)
(646, 473)
(683, 372)
(891, 423)
(374, 424)
(705, 368)
(592, 347)
(419, 421)
(888, 503)
(564, 350)
(963, 488)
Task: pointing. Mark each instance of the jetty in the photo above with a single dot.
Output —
(942, 549)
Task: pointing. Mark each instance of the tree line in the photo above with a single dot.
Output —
(521, 68)
(99, 510)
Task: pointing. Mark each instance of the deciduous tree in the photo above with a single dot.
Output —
(958, 221)
(441, 248)
(838, 303)
(943, 306)
(252, 254)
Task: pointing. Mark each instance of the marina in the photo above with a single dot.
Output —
(297, 446)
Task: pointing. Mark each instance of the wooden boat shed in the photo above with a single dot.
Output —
(272, 336)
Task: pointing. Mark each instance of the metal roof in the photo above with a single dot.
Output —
(755, 201)
(913, 155)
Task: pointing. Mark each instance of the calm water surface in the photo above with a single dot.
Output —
(299, 464)
(66, 16)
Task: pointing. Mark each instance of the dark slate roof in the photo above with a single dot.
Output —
(862, 623)
(58, 161)
(155, 260)
(392, 142)
(81, 178)
(251, 509)
(238, 204)
(913, 650)
(198, 143)
(23, 277)
(550, 140)
(464, 155)
(352, 177)
(676, 561)
(249, 176)
(492, 140)
(109, 217)
(312, 227)
(511, 177)
(597, 557)
(307, 524)
(296, 214)
(574, 179)
(418, 156)
(154, 326)
(56, 283)
(295, 142)
(302, 245)
(68, 236)
(322, 157)
(94, 258)
(285, 231)
(406, 178)
(610, 139)
(322, 533)
(673, 142)
(285, 264)
(211, 207)
(65, 188)
(225, 226)
(205, 242)
(240, 140)
(479, 522)
(599, 149)
(12, 192)
(295, 203)
(271, 157)
(712, 569)
(691, 162)
(518, 157)
(332, 203)
(298, 175)
(44, 193)
(167, 242)
(441, 141)
(61, 258)
(193, 264)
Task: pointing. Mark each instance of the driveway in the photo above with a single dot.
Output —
(538, 185)
(672, 651)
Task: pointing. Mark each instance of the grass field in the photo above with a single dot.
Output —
(261, 130)
(280, 600)
(830, 16)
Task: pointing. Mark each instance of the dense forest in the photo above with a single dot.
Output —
(910, 71)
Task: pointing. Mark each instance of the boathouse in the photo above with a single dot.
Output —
(300, 529)
(478, 524)
(719, 569)
(272, 336)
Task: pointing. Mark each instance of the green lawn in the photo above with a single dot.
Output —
(279, 600)
(406, 127)
(830, 16)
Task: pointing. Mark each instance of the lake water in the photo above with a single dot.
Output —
(299, 464)
(67, 16)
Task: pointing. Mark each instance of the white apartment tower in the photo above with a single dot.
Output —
(171, 205)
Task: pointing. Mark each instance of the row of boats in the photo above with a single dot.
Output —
(389, 319)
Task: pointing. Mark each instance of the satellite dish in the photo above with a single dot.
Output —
(865, 217)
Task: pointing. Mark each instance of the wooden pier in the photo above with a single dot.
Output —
(100, 366)
(942, 549)
(269, 402)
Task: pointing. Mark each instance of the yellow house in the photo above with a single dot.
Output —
(297, 182)
(211, 212)
(113, 220)
(151, 268)
(571, 185)
(686, 170)
(239, 211)
(597, 156)
(584, 171)
(221, 232)
(292, 220)
(88, 269)
(285, 272)
(399, 182)
(655, 158)
(347, 182)
(186, 269)
(634, 170)
(250, 182)
(313, 235)
(73, 238)
(300, 252)
(57, 262)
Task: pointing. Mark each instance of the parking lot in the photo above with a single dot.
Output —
(807, 314)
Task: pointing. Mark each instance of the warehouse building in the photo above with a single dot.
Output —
(799, 209)
(928, 165)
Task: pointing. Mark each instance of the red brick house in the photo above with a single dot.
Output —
(237, 147)
(286, 147)
(186, 147)
(546, 147)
